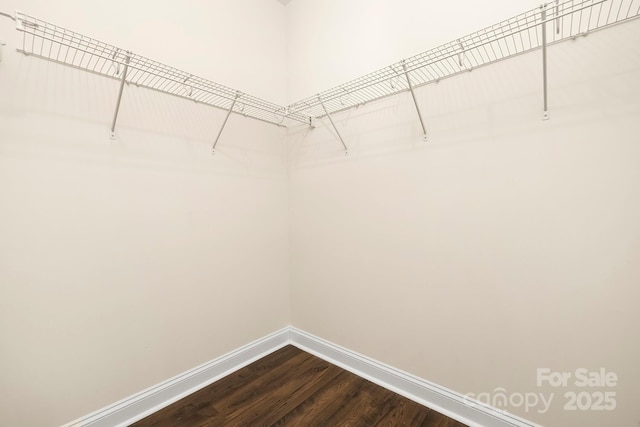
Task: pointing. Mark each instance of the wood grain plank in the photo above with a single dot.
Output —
(300, 395)
(320, 408)
(292, 388)
(213, 394)
(404, 412)
(275, 394)
(436, 419)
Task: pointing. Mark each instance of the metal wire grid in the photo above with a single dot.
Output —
(49, 41)
(522, 33)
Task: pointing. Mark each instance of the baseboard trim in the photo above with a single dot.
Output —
(146, 402)
(443, 400)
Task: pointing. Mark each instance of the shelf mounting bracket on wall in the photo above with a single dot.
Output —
(346, 150)
(545, 113)
(415, 101)
(122, 82)
(224, 123)
(461, 57)
(2, 42)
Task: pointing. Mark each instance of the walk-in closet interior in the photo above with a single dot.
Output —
(440, 197)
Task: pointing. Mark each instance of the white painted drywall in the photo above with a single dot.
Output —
(236, 43)
(333, 41)
(126, 262)
(503, 245)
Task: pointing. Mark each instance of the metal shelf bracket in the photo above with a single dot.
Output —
(48, 41)
(545, 113)
(224, 123)
(461, 57)
(2, 42)
(557, 16)
(563, 19)
(122, 82)
(346, 150)
(415, 101)
(538, 28)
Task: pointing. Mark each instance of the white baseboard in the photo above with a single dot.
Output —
(443, 400)
(153, 399)
(447, 402)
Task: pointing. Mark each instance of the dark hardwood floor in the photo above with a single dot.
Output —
(292, 388)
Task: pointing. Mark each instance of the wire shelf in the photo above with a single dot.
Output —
(49, 41)
(522, 33)
(563, 19)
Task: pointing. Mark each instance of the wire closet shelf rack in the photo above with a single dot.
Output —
(550, 23)
(46, 40)
(558, 20)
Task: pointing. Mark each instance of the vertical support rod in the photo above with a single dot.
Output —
(557, 17)
(213, 149)
(122, 82)
(346, 150)
(2, 43)
(545, 114)
(415, 101)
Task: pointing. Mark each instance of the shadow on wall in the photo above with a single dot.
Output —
(498, 101)
(153, 130)
(503, 245)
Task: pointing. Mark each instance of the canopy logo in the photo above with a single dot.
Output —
(592, 400)
(585, 399)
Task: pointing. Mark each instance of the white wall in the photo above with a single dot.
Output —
(502, 245)
(332, 41)
(226, 41)
(124, 263)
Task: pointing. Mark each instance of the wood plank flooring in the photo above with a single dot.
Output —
(292, 388)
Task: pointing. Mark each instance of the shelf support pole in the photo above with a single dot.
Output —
(415, 101)
(545, 113)
(557, 17)
(346, 150)
(122, 82)
(213, 149)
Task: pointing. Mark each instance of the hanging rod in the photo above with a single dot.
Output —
(508, 38)
(45, 40)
